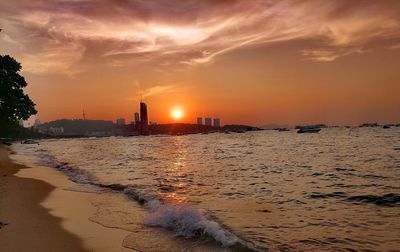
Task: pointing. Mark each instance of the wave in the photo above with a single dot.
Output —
(182, 219)
(75, 174)
(389, 200)
(317, 195)
(186, 221)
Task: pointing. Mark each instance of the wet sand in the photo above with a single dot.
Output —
(38, 213)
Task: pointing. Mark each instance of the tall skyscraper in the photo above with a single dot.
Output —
(217, 122)
(200, 120)
(136, 118)
(207, 121)
(144, 120)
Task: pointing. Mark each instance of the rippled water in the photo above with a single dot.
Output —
(336, 190)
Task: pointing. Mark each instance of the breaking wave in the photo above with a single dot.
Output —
(184, 220)
(188, 222)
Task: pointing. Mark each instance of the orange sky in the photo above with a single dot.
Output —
(254, 62)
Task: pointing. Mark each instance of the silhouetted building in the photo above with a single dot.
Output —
(37, 123)
(217, 122)
(144, 120)
(207, 121)
(200, 120)
(136, 123)
(136, 118)
(120, 121)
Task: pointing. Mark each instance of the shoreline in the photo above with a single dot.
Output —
(78, 211)
(39, 213)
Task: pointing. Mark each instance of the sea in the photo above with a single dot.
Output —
(337, 190)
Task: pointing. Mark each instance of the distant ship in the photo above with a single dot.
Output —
(29, 141)
(282, 129)
(308, 130)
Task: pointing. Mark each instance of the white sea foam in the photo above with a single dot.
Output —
(187, 222)
(183, 220)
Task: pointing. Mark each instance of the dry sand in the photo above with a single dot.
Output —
(37, 213)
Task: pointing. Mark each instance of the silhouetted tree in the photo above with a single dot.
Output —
(14, 104)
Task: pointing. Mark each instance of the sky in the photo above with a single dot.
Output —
(253, 62)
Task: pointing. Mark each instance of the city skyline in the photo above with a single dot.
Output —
(253, 63)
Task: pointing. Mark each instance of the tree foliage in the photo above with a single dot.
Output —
(14, 104)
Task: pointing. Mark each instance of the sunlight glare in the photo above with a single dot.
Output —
(177, 114)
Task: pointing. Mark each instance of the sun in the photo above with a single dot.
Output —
(177, 113)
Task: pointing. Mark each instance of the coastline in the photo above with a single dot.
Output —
(37, 213)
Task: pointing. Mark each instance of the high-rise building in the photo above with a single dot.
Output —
(136, 118)
(217, 122)
(200, 120)
(207, 121)
(144, 120)
(120, 121)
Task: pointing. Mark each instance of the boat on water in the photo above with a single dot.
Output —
(282, 129)
(30, 141)
(5, 141)
(308, 130)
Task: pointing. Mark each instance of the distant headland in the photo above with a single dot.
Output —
(102, 128)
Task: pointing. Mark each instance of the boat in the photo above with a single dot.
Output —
(29, 141)
(282, 129)
(5, 141)
(308, 130)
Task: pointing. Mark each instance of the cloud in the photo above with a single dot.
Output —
(153, 91)
(54, 58)
(189, 32)
(157, 90)
(395, 46)
(328, 55)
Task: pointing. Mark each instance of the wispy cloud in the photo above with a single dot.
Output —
(327, 55)
(153, 91)
(190, 32)
(396, 46)
(157, 90)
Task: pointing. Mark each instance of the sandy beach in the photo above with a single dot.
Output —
(38, 214)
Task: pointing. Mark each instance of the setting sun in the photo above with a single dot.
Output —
(177, 113)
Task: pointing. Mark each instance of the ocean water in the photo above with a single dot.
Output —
(338, 190)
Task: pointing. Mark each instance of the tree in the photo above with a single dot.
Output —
(14, 104)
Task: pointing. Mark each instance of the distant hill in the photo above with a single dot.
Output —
(79, 126)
